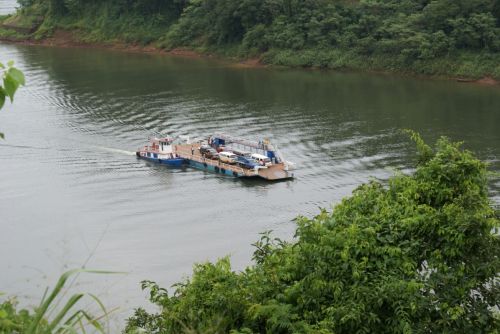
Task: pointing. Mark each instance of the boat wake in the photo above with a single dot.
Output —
(115, 150)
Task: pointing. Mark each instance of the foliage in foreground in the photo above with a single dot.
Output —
(66, 319)
(12, 78)
(420, 255)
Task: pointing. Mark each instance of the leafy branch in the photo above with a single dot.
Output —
(12, 78)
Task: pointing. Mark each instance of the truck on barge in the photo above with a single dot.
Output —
(267, 161)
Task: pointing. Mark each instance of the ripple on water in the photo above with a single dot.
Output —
(68, 157)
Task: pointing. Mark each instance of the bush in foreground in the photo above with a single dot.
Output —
(420, 255)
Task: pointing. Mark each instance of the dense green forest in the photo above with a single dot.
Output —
(432, 37)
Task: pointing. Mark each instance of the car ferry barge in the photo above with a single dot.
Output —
(230, 156)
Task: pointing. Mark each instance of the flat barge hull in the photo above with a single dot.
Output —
(191, 154)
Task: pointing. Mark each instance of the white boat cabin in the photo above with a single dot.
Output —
(161, 145)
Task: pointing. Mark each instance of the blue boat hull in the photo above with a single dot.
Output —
(175, 162)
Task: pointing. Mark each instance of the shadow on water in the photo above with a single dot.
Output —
(259, 182)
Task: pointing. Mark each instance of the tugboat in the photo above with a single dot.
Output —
(222, 154)
(160, 150)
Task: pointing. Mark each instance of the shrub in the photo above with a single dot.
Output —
(420, 254)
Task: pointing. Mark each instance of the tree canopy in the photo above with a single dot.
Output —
(415, 28)
(419, 254)
(424, 36)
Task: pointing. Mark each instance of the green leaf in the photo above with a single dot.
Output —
(2, 135)
(101, 305)
(71, 302)
(1, 65)
(10, 86)
(10, 63)
(2, 97)
(42, 310)
(77, 317)
(17, 75)
(44, 295)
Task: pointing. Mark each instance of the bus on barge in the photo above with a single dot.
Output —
(266, 160)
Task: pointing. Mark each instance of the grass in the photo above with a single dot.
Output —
(468, 65)
(25, 22)
(67, 319)
(12, 35)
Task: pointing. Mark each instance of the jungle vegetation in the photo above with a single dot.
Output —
(432, 37)
(418, 254)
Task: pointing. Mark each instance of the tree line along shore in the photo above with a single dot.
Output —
(443, 38)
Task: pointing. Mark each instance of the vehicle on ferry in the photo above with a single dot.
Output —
(242, 153)
(227, 157)
(209, 152)
(246, 162)
(221, 154)
(262, 159)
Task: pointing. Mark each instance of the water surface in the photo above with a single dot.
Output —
(71, 192)
(7, 6)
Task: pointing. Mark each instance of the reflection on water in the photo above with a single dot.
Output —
(70, 186)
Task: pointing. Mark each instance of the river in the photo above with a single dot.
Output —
(73, 193)
(7, 6)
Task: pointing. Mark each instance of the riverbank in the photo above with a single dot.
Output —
(69, 39)
(34, 26)
(423, 40)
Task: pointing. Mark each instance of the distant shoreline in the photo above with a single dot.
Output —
(66, 39)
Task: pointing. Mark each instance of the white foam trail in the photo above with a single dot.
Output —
(115, 150)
